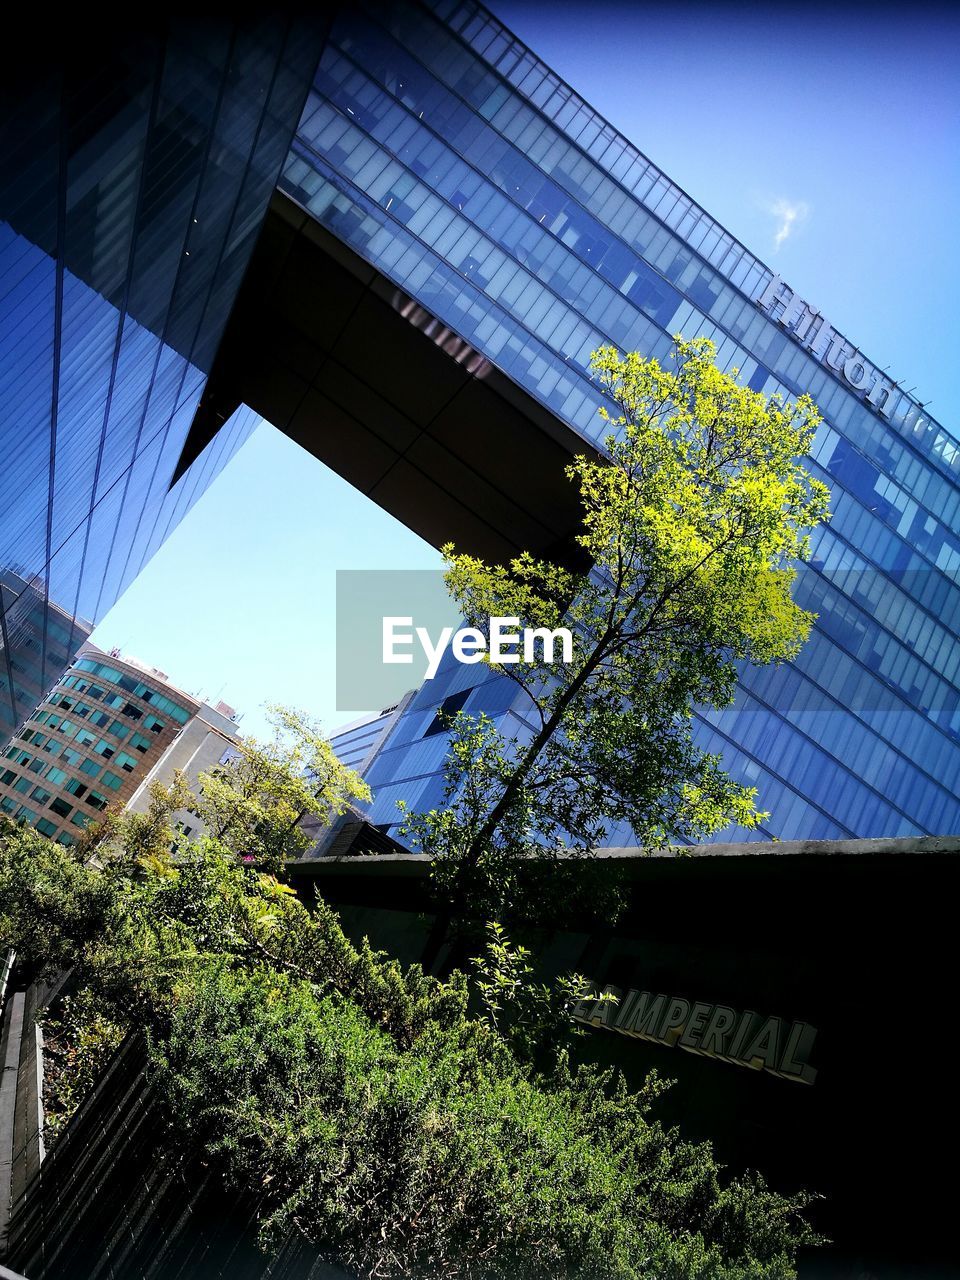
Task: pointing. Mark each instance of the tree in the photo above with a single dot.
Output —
(692, 524)
(257, 800)
(367, 1106)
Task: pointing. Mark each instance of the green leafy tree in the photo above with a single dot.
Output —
(257, 801)
(369, 1109)
(693, 525)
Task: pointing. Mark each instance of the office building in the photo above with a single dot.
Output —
(411, 288)
(33, 627)
(105, 726)
(494, 211)
(137, 159)
(206, 741)
(357, 744)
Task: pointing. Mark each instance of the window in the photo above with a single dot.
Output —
(60, 807)
(90, 767)
(84, 738)
(153, 724)
(76, 787)
(447, 709)
(7, 777)
(80, 819)
(140, 742)
(40, 795)
(96, 800)
(23, 785)
(103, 748)
(46, 827)
(132, 712)
(56, 777)
(112, 781)
(36, 766)
(65, 838)
(126, 762)
(71, 757)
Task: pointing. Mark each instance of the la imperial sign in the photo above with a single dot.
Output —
(713, 1030)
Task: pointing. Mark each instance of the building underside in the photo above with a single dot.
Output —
(325, 348)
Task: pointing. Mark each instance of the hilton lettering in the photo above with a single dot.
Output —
(820, 338)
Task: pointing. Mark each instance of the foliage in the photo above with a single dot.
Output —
(449, 1160)
(693, 524)
(256, 801)
(78, 1041)
(400, 1132)
(534, 1018)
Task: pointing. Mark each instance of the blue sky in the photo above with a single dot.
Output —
(827, 140)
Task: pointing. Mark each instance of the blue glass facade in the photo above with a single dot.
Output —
(134, 176)
(439, 148)
(356, 744)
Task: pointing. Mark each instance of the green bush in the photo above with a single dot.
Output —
(402, 1129)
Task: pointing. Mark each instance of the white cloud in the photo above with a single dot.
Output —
(788, 214)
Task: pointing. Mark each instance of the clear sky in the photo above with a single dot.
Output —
(827, 140)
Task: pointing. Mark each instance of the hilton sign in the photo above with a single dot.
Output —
(712, 1030)
(823, 342)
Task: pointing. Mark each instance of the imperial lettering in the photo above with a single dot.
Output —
(711, 1030)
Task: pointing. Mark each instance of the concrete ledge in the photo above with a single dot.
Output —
(416, 865)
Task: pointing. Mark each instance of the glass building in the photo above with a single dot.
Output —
(356, 744)
(139, 190)
(452, 160)
(135, 169)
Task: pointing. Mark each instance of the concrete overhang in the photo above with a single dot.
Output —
(333, 354)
